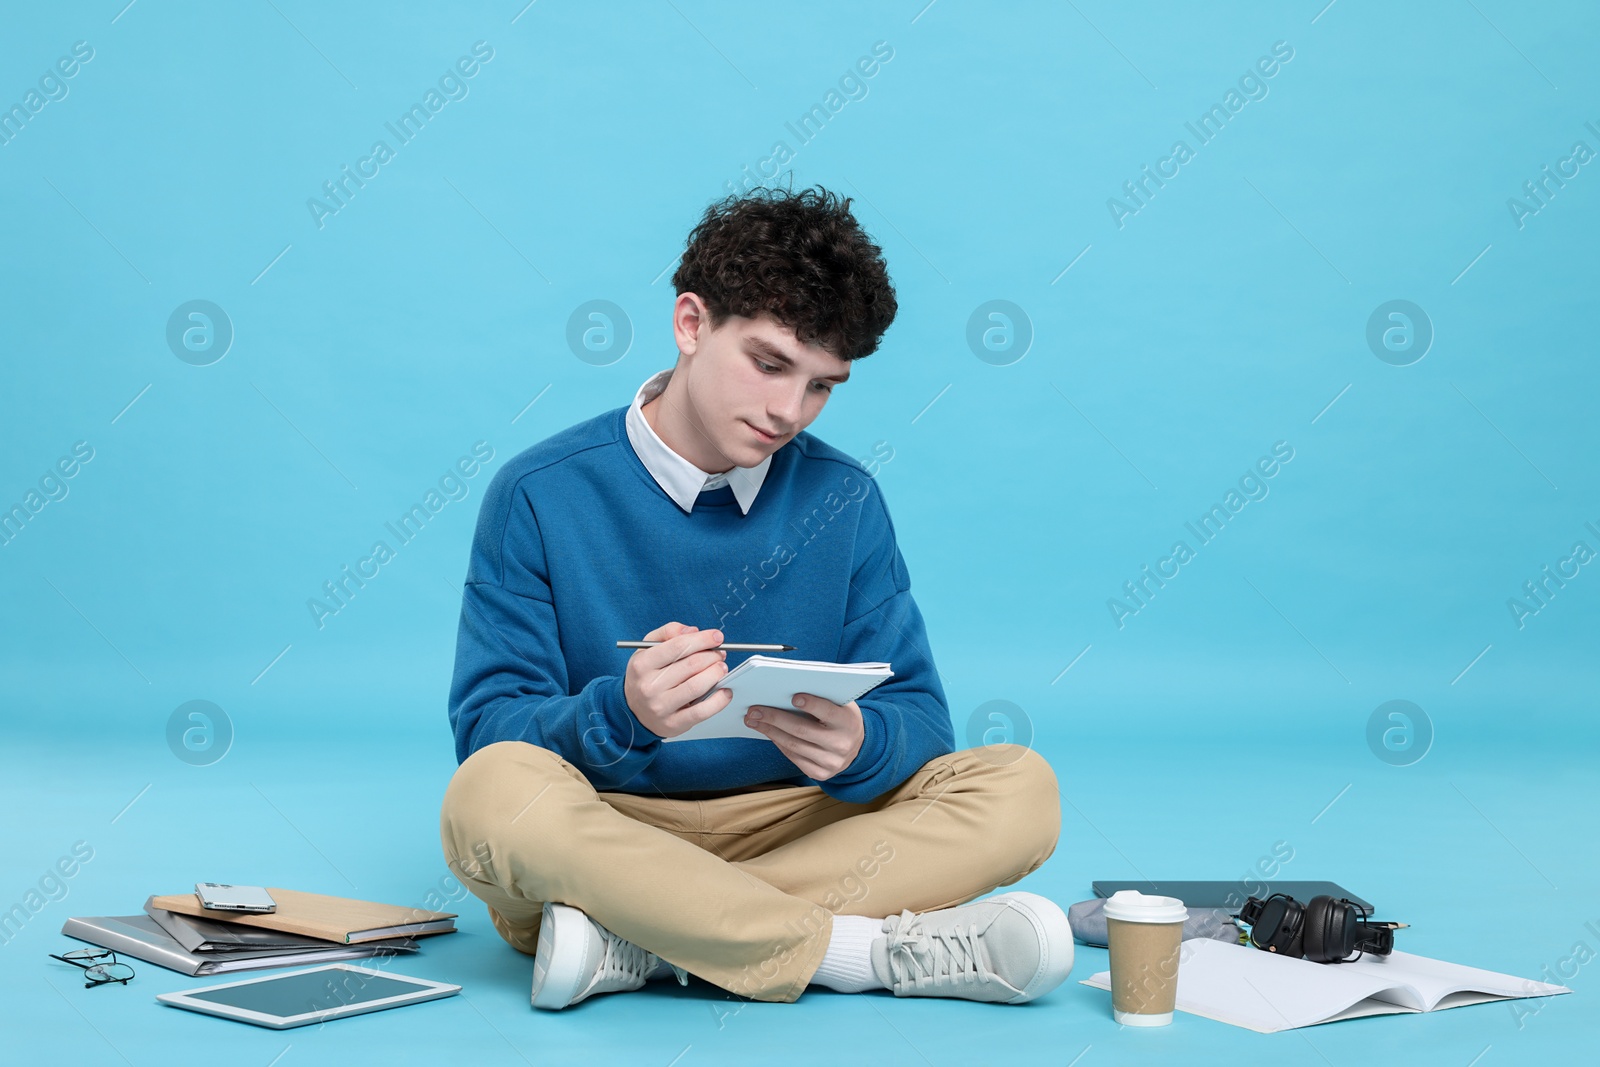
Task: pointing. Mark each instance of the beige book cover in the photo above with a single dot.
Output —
(337, 919)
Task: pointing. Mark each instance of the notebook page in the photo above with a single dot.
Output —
(821, 664)
(1436, 979)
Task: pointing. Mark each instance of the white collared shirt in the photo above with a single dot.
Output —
(680, 479)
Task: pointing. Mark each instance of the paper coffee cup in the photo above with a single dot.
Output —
(1143, 933)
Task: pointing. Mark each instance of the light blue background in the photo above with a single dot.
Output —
(1228, 314)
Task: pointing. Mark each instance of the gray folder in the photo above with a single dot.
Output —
(142, 938)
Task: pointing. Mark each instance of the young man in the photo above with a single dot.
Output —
(841, 850)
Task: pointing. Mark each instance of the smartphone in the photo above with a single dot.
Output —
(246, 898)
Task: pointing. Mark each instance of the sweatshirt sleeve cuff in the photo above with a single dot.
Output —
(874, 740)
(625, 732)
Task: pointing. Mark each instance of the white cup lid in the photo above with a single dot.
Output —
(1132, 906)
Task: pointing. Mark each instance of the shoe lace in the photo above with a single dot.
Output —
(628, 962)
(924, 956)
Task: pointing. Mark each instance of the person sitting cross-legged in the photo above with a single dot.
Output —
(848, 845)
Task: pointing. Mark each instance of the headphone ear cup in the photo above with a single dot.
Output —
(1293, 928)
(1322, 930)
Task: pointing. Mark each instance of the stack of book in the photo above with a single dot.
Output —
(177, 933)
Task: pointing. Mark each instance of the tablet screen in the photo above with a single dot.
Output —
(297, 994)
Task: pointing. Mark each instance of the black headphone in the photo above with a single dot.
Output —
(1324, 930)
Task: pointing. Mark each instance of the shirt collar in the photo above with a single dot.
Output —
(680, 479)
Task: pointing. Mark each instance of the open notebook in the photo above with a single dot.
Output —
(772, 681)
(1265, 992)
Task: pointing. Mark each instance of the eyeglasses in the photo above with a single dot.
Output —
(99, 967)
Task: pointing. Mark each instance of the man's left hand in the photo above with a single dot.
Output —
(822, 739)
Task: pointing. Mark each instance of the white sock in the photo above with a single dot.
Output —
(847, 965)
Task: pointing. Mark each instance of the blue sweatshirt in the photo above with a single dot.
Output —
(578, 547)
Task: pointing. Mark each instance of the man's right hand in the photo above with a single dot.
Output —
(664, 679)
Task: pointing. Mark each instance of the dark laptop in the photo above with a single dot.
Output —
(1231, 895)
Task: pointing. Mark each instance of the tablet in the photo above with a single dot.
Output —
(309, 996)
(1230, 895)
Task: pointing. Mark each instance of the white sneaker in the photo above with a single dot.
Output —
(1006, 949)
(577, 958)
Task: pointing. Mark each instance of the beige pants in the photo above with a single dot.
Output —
(741, 889)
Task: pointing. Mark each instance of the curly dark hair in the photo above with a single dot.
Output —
(801, 257)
